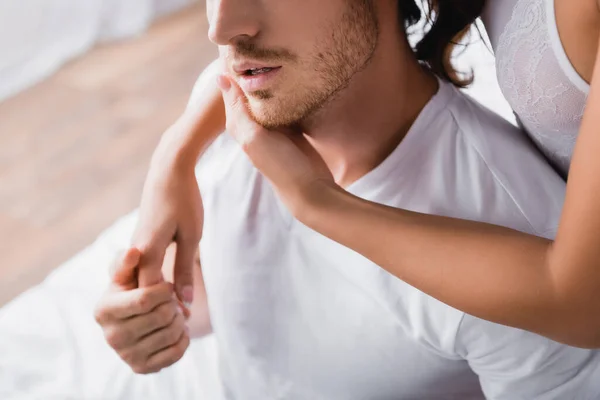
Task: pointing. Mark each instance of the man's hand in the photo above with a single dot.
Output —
(145, 326)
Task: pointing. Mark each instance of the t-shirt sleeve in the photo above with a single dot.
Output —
(513, 364)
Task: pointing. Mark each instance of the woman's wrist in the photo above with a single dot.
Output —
(203, 120)
(317, 202)
(183, 143)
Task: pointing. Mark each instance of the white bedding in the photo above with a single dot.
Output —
(51, 348)
(38, 36)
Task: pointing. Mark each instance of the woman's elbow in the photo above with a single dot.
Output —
(581, 331)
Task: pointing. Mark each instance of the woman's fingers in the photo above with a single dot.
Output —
(267, 149)
(123, 271)
(183, 271)
(284, 157)
(239, 123)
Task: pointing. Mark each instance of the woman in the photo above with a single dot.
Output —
(546, 52)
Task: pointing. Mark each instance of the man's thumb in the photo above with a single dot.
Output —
(124, 269)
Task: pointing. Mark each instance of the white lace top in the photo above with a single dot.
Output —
(535, 75)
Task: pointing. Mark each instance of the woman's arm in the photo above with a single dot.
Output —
(488, 271)
(171, 208)
(201, 122)
(552, 288)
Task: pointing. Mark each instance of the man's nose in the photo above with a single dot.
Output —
(232, 20)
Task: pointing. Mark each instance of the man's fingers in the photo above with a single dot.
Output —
(159, 318)
(162, 338)
(123, 270)
(168, 356)
(126, 304)
(159, 349)
(130, 331)
(183, 273)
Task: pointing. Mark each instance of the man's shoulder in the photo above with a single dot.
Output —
(217, 161)
(514, 162)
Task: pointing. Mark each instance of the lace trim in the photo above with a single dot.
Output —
(548, 105)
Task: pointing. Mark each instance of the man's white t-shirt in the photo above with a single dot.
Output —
(298, 316)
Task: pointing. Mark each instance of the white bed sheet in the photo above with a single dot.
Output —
(51, 348)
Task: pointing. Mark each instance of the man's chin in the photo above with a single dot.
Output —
(271, 119)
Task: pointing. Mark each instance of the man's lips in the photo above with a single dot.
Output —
(255, 79)
(253, 69)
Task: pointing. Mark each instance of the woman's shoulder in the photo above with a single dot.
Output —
(496, 16)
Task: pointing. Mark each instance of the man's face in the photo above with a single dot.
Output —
(291, 56)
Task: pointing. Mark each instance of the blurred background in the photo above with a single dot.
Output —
(86, 89)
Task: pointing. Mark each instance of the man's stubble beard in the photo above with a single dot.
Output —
(348, 50)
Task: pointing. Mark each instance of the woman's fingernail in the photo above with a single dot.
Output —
(187, 295)
(223, 82)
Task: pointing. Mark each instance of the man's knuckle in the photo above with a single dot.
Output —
(100, 315)
(153, 370)
(134, 359)
(139, 369)
(182, 346)
(172, 336)
(159, 318)
(142, 303)
(166, 313)
(176, 357)
(127, 336)
(127, 356)
(114, 338)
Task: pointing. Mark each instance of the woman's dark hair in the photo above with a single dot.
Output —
(448, 22)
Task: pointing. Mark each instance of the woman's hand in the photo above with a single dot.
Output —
(171, 211)
(285, 158)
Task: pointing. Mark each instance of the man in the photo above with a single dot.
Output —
(297, 316)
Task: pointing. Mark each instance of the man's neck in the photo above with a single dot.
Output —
(357, 130)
